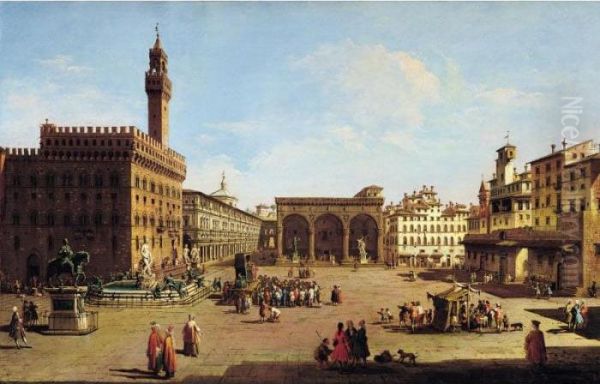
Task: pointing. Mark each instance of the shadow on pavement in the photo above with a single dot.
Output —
(591, 331)
(566, 365)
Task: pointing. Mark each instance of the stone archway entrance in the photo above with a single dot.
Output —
(328, 237)
(364, 226)
(295, 226)
(33, 268)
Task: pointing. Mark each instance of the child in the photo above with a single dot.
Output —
(506, 323)
(389, 315)
(322, 353)
(262, 311)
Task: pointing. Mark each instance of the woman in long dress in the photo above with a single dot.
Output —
(191, 337)
(340, 353)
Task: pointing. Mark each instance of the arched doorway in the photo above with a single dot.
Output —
(295, 226)
(33, 268)
(364, 226)
(328, 237)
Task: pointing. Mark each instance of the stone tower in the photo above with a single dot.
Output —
(505, 171)
(158, 89)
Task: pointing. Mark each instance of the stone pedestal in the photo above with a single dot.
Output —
(363, 259)
(295, 258)
(68, 315)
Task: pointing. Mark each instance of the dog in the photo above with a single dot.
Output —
(384, 357)
(410, 357)
(516, 326)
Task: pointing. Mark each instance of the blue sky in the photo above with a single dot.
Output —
(316, 99)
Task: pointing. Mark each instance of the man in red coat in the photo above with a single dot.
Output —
(535, 346)
(169, 353)
(154, 351)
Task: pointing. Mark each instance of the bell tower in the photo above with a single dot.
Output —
(158, 89)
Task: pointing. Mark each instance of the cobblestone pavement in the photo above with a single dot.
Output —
(237, 349)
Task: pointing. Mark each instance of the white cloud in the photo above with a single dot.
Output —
(511, 97)
(373, 85)
(236, 127)
(64, 64)
(28, 101)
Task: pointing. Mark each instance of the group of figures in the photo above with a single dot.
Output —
(412, 315)
(161, 346)
(273, 291)
(576, 315)
(350, 347)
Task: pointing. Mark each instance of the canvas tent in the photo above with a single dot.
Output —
(448, 303)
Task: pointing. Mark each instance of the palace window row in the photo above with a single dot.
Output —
(49, 219)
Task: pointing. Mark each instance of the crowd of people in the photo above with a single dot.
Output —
(161, 346)
(275, 292)
(350, 347)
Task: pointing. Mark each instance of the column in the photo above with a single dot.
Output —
(346, 245)
(279, 241)
(379, 245)
(311, 244)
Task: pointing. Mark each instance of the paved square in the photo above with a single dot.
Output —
(236, 348)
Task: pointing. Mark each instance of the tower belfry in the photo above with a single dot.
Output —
(158, 89)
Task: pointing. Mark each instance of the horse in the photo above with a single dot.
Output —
(74, 267)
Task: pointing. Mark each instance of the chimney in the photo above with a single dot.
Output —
(553, 146)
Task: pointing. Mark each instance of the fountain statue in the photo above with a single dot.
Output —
(362, 250)
(148, 278)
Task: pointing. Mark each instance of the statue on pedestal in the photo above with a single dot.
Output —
(295, 255)
(69, 263)
(362, 251)
(195, 255)
(186, 255)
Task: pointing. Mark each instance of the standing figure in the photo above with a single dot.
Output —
(351, 334)
(535, 346)
(169, 363)
(361, 346)
(191, 337)
(340, 343)
(154, 350)
(16, 330)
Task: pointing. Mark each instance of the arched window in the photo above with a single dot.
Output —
(50, 218)
(404, 240)
(98, 181)
(114, 180)
(144, 184)
(438, 228)
(451, 240)
(445, 240)
(418, 240)
(439, 241)
(50, 243)
(17, 243)
(33, 218)
(445, 227)
(451, 227)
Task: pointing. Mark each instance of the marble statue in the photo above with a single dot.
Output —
(146, 260)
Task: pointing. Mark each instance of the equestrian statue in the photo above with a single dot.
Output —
(69, 263)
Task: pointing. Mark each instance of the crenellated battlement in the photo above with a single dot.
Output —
(22, 152)
(58, 136)
(53, 130)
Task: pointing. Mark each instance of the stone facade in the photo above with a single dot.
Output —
(106, 189)
(218, 229)
(581, 212)
(547, 193)
(326, 228)
(420, 231)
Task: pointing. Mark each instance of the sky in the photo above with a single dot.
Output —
(313, 99)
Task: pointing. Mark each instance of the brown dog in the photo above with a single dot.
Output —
(410, 357)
